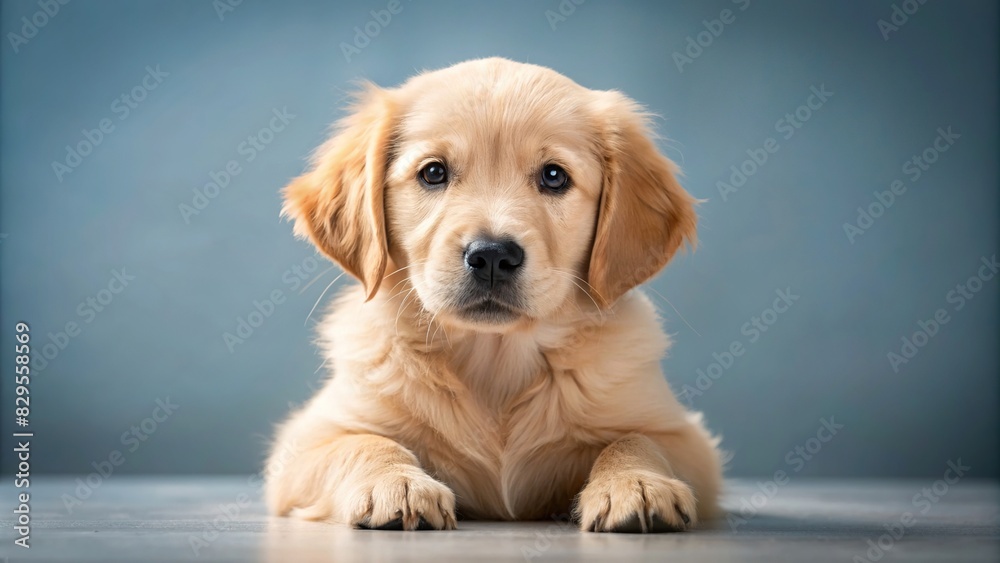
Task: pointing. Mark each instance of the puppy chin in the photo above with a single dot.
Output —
(489, 313)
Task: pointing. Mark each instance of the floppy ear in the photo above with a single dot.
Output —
(338, 204)
(644, 214)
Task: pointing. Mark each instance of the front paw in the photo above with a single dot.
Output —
(635, 502)
(403, 498)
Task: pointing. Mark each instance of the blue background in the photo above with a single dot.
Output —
(826, 356)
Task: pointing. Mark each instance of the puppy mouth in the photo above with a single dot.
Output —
(474, 303)
(490, 310)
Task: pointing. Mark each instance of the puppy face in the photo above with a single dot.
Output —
(493, 193)
(498, 190)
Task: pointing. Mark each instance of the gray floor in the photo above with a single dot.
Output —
(175, 519)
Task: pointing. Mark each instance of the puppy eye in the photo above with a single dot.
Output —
(433, 175)
(553, 178)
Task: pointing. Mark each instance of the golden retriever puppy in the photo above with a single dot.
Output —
(495, 361)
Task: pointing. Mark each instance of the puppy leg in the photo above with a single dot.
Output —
(364, 480)
(633, 488)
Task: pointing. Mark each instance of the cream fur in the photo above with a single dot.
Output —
(427, 414)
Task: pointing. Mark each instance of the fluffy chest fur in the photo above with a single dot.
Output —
(512, 423)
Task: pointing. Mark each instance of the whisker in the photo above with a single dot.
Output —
(571, 277)
(404, 280)
(440, 327)
(399, 312)
(321, 297)
(587, 283)
(405, 267)
(579, 309)
(446, 337)
(675, 310)
(315, 279)
(429, 337)
(594, 301)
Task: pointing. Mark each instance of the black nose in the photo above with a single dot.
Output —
(493, 261)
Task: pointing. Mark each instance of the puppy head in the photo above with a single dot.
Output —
(500, 191)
